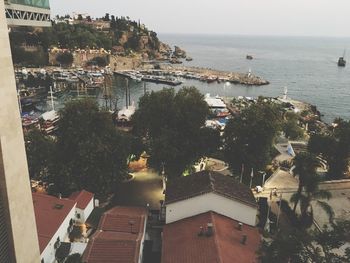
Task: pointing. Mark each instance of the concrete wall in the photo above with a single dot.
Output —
(14, 178)
(211, 202)
(49, 252)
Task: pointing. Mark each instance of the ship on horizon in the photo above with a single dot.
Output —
(342, 61)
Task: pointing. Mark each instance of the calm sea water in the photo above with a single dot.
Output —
(306, 65)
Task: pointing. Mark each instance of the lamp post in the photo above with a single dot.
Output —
(279, 210)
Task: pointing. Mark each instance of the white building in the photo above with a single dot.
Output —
(55, 218)
(207, 191)
(54, 221)
(85, 205)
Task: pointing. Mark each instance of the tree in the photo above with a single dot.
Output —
(172, 125)
(249, 138)
(294, 245)
(99, 61)
(65, 58)
(305, 168)
(40, 150)
(291, 128)
(90, 154)
(308, 191)
(334, 148)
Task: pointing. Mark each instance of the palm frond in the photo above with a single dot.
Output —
(327, 208)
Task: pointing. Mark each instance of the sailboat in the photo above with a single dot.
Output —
(342, 61)
(50, 118)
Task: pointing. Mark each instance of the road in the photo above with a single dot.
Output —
(145, 188)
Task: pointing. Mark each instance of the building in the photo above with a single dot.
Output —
(18, 233)
(34, 13)
(207, 191)
(55, 218)
(210, 217)
(119, 238)
(209, 238)
(85, 205)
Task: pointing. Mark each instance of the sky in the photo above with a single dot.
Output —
(233, 17)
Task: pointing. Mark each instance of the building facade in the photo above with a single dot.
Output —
(16, 209)
(18, 233)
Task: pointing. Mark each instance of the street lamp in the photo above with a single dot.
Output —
(279, 210)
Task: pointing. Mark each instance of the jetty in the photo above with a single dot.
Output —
(170, 75)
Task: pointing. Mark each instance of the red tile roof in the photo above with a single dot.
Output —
(203, 182)
(117, 240)
(50, 212)
(181, 242)
(82, 198)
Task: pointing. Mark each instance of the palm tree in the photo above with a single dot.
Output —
(305, 167)
(312, 193)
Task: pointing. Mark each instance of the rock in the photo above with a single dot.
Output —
(179, 53)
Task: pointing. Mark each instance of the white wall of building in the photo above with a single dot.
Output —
(211, 202)
(49, 252)
(84, 214)
(143, 240)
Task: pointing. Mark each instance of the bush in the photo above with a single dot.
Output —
(65, 58)
(98, 61)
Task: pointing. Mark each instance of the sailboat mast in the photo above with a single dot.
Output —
(52, 103)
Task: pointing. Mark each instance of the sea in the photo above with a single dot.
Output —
(307, 66)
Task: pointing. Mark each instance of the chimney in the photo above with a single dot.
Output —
(240, 226)
(201, 231)
(209, 230)
(244, 239)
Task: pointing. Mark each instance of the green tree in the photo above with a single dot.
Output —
(249, 138)
(172, 126)
(40, 150)
(90, 154)
(65, 58)
(295, 246)
(334, 148)
(305, 167)
(291, 128)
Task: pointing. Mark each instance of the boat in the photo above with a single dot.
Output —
(249, 57)
(50, 122)
(50, 119)
(342, 61)
(189, 59)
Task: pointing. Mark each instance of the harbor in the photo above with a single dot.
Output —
(172, 75)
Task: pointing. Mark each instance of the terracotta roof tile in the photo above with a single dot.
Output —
(181, 242)
(50, 212)
(116, 240)
(82, 198)
(205, 182)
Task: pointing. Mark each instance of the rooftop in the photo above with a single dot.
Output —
(82, 198)
(118, 237)
(204, 182)
(50, 212)
(181, 242)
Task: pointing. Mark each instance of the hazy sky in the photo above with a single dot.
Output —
(248, 17)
